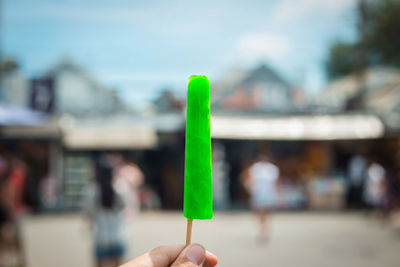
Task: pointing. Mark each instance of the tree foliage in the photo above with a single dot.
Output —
(378, 42)
(383, 32)
(8, 65)
(341, 60)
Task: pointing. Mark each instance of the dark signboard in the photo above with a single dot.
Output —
(42, 95)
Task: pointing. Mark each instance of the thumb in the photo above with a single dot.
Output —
(192, 256)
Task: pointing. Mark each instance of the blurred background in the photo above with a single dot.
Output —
(92, 94)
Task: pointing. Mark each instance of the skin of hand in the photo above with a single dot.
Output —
(175, 256)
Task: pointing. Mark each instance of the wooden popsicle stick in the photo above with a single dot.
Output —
(189, 232)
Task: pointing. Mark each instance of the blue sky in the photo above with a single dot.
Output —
(139, 47)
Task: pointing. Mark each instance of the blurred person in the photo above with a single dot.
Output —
(262, 184)
(375, 188)
(17, 182)
(356, 176)
(11, 207)
(48, 188)
(128, 178)
(104, 205)
(5, 211)
(149, 199)
(6, 196)
(36, 159)
(175, 256)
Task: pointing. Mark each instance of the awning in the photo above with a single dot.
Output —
(14, 115)
(312, 127)
(106, 137)
(46, 131)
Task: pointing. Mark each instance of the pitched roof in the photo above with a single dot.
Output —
(250, 92)
(264, 74)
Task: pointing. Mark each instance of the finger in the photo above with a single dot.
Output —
(162, 256)
(192, 256)
(211, 260)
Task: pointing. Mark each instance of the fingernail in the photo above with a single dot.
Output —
(211, 254)
(196, 254)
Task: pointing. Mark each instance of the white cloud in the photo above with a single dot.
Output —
(256, 47)
(287, 10)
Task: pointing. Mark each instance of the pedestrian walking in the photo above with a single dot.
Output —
(104, 205)
(262, 184)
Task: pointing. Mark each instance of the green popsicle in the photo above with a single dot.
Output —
(197, 203)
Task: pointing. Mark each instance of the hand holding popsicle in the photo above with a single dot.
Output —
(175, 256)
(197, 202)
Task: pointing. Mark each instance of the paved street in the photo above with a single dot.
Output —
(297, 239)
